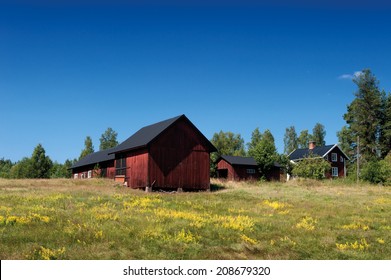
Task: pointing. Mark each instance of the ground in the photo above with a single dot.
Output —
(97, 219)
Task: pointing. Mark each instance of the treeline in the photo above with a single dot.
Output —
(366, 139)
(40, 166)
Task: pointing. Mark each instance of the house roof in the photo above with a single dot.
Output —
(94, 158)
(320, 151)
(147, 134)
(238, 160)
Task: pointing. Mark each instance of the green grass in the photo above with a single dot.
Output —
(96, 219)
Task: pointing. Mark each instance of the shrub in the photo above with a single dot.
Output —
(311, 167)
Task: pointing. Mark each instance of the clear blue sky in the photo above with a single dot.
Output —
(68, 71)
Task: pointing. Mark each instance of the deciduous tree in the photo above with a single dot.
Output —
(108, 139)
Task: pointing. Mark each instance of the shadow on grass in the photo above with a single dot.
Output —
(216, 187)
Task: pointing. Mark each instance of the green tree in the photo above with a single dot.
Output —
(22, 169)
(40, 163)
(108, 139)
(59, 170)
(312, 167)
(88, 148)
(290, 140)
(304, 139)
(226, 143)
(256, 136)
(386, 125)
(364, 115)
(265, 154)
(5, 168)
(318, 134)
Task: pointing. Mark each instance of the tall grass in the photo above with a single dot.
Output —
(97, 219)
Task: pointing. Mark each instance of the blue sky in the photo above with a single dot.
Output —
(71, 70)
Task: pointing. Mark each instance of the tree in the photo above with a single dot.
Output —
(108, 139)
(304, 139)
(88, 148)
(5, 168)
(386, 125)
(61, 170)
(22, 169)
(364, 115)
(40, 163)
(265, 154)
(318, 134)
(256, 136)
(226, 143)
(346, 140)
(290, 140)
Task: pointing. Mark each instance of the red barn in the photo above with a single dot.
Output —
(236, 168)
(99, 164)
(172, 154)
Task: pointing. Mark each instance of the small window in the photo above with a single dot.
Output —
(334, 157)
(250, 171)
(341, 159)
(75, 176)
(89, 174)
(334, 171)
(120, 166)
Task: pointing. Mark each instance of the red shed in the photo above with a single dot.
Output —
(236, 168)
(98, 164)
(172, 154)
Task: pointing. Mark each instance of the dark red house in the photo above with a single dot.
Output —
(331, 153)
(236, 168)
(172, 154)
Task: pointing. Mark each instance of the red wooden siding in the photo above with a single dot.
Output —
(237, 172)
(340, 165)
(179, 158)
(106, 167)
(137, 168)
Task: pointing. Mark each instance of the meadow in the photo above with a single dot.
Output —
(97, 219)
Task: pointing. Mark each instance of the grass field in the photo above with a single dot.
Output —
(95, 219)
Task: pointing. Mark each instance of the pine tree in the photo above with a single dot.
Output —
(40, 163)
(88, 148)
(364, 114)
(108, 139)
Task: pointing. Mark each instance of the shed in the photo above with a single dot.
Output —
(236, 168)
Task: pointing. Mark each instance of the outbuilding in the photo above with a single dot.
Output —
(171, 154)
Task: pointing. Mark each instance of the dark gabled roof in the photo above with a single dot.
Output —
(94, 158)
(237, 160)
(321, 151)
(147, 134)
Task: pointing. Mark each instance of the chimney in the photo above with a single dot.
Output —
(311, 145)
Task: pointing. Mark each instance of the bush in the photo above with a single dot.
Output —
(311, 167)
(377, 172)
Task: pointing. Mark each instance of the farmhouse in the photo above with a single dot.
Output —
(236, 168)
(331, 153)
(171, 154)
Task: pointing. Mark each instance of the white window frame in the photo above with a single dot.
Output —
(341, 159)
(250, 171)
(334, 157)
(89, 176)
(334, 171)
(76, 176)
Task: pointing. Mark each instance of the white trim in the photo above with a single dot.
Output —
(89, 176)
(333, 169)
(334, 157)
(76, 176)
